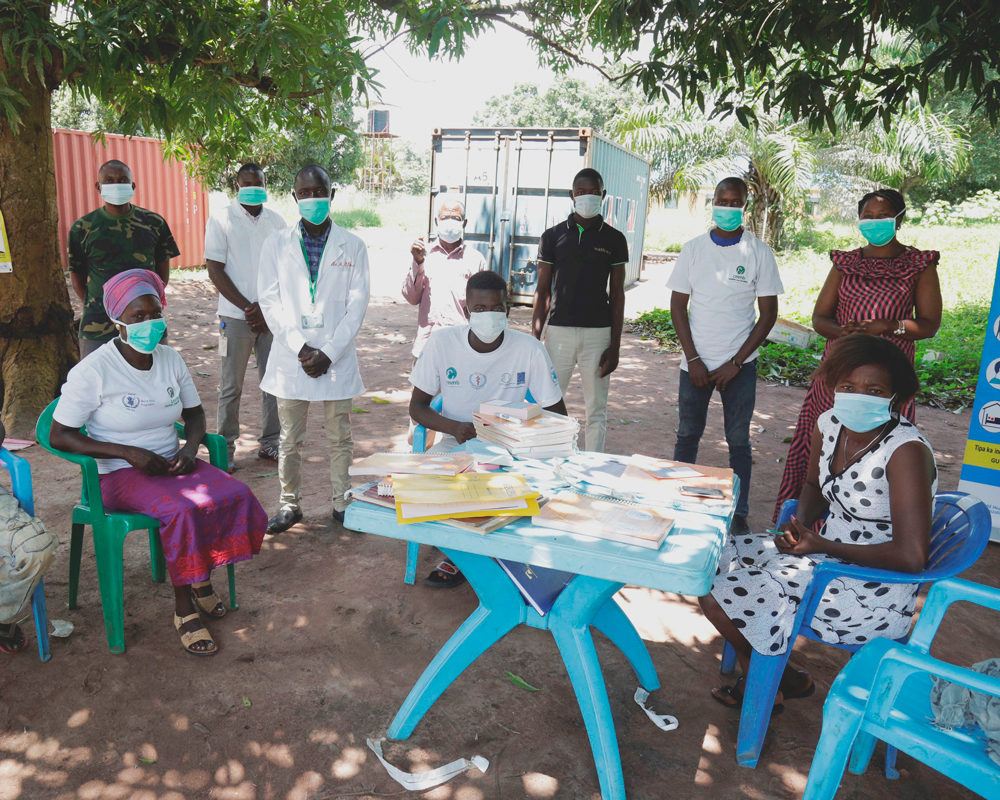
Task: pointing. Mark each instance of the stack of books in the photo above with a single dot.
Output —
(544, 435)
(378, 464)
(424, 498)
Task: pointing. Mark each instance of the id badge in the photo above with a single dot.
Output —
(313, 320)
(223, 345)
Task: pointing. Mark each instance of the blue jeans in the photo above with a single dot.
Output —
(738, 399)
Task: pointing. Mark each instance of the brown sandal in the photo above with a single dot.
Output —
(210, 604)
(190, 638)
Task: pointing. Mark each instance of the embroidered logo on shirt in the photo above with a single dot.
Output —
(130, 401)
(477, 380)
(603, 250)
(170, 391)
(342, 263)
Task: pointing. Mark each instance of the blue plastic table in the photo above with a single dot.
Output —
(685, 564)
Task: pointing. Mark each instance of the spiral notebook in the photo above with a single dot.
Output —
(605, 518)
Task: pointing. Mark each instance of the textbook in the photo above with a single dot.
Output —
(540, 586)
(369, 493)
(423, 498)
(379, 464)
(605, 518)
(511, 410)
(545, 436)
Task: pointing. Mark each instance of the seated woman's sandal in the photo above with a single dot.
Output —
(209, 603)
(189, 639)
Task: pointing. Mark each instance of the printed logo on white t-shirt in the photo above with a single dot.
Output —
(451, 376)
(130, 401)
(739, 274)
(477, 380)
(555, 376)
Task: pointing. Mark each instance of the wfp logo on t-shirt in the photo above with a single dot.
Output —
(130, 401)
(452, 375)
(740, 275)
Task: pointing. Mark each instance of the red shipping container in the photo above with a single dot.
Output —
(160, 185)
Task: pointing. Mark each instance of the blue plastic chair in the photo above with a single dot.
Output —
(884, 693)
(959, 533)
(20, 486)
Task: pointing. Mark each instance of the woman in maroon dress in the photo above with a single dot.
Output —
(885, 289)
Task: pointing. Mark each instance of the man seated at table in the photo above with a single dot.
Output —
(475, 363)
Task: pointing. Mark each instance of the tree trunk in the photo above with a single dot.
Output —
(37, 340)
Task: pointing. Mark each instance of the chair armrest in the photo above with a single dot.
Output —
(940, 598)
(218, 450)
(420, 432)
(902, 662)
(20, 479)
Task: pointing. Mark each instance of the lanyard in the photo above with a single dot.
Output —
(312, 281)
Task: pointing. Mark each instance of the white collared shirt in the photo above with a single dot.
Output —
(235, 237)
(331, 324)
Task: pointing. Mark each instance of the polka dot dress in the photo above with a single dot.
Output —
(760, 588)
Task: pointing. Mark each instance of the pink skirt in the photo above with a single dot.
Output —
(207, 518)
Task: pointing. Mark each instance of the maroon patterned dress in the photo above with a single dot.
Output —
(870, 288)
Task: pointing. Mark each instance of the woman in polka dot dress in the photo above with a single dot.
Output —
(872, 474)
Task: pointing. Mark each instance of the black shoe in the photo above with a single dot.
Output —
(338, 516)
(284, 520)
(739, 525)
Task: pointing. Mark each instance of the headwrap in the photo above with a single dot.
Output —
(124, 287)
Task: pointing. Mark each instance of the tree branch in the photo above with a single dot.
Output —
(552, 43)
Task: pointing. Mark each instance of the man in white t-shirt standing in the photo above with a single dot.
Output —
(718, 279)
(233, 243)
(471, 364)
(436, 279)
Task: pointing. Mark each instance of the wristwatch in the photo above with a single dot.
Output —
(900, 328)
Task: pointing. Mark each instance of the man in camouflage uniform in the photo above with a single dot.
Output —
(111, 239)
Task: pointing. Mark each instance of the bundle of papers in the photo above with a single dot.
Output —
(422, 498)
(547, 435)
(372, 493)
(412, 464)
(602, 518)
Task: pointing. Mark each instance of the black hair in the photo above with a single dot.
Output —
(891, 196)
(315, 171)
(486, 281)
(733, 183)
(250, 166)
(861, 349)
(114, 162)
(589, 173)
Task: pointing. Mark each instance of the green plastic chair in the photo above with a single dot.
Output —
(110, 529)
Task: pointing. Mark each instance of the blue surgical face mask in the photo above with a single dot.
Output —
(861, 412)
(314, 209)
(727, 218)
(879, 231)
(252, 195)
(117, 194)
(143, 337)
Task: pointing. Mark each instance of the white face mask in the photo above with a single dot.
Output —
(488, 325)
(588, 205)
(117, 194)
(450, 230)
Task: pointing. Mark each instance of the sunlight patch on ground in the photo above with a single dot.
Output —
(537, 784)
(349, 763)
(662, 617)
(78, 718)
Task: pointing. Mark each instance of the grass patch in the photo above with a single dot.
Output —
(356, 218)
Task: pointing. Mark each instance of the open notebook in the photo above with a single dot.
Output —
(604, 518)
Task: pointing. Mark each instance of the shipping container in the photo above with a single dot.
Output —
(163, 186)
(516, 182)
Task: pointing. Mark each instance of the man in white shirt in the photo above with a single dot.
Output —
(716, 282)
(233, 242)
(313, 289)
(471, 364)
(436, 279)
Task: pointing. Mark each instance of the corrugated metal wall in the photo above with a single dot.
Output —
(161, 186)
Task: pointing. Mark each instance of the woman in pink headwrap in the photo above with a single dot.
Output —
(129, 393)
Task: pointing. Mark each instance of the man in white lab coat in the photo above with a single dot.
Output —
(313, 290)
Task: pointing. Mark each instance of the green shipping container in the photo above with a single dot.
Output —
(515, 183)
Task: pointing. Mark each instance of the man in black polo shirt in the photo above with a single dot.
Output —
(581, 295)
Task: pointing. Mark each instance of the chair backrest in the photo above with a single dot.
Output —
(960, 531)
(20, 480)
(90, 493)
(420, 432)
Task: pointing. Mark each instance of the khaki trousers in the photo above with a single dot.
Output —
(571, 347)
(293, 415)
(240, 343)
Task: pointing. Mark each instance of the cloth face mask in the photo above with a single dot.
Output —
(117, 194)
(314, 209)
(252, 195)
(488, 325)
(727, 218)
(588, 205)
(143, 337)
(861, 412)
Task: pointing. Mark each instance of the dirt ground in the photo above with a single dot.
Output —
(328, 640)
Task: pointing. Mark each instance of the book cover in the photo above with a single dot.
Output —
(379, 464)
(603, 518)
(540, 586)
(511, 409)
